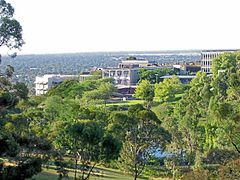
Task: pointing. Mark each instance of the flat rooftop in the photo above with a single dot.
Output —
(180, 77)
(220, 50)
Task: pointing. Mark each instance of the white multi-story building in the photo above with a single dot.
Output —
(208, 55)
(44, 83)
(126, 74)
(122, 76)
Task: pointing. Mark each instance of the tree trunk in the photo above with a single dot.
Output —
(135, 176)
(90, 171)
(83, 174)
(173, 171)
(135, 172)
(75, 171)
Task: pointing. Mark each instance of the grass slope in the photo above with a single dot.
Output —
(105, 174)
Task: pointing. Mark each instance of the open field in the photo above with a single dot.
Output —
(105, 174)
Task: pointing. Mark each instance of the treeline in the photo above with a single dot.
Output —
(204, 123)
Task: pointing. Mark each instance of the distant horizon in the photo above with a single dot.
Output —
(134, 51)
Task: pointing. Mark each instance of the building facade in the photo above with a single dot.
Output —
(126, 74)
(122, 76)
(208, 55)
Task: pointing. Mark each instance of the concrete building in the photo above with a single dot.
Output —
(44, 83)
(126, 74)
(208, 55)
(184, 69)
(122, 76)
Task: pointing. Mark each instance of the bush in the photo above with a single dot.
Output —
(197, 174)
(220, 156)
(25, 170)
(230, 171)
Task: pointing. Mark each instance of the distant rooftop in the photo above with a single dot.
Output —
(220, 50)
(134, 61)
(179, 76)
(56, 75)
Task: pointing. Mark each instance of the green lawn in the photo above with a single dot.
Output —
(128, 102)
(106, 174)
(156, 101)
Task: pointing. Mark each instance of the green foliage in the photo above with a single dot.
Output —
(111, 147)
(7, 100)
(21, 90)
(199, 174)
(143, 137)
(167, 89)
(227, 61)
(118, 123)
(32, 102)
(25, 169)
(96, 74)
(68, 88)
(9, 71)
(103, 92)
(220, 156)
(89, 143)
(10, 29)
(97, 89)
(153, 75)
(145, 91)
(21, 150)
(8, 146)
(205, 122)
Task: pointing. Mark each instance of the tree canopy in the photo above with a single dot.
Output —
(10, 28)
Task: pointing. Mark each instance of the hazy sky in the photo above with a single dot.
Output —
(60, 26)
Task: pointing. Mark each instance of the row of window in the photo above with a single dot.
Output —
(205, 69)
(206, 63)
(117, 73)
(123, 82)
(209, 56)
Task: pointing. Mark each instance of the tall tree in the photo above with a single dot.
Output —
(167, 89)
(224, 106)
(145, 91)
(90, 144)
(101, 93)
(144, 137)
(153, 75)
(10, 28)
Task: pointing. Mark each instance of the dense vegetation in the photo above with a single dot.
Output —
(196, 127)
(192, 132)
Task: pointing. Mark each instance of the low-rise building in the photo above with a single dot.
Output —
(187, 68)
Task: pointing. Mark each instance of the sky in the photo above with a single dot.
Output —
(69, 26)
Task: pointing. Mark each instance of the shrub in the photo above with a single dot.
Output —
(230, 171)
(220, 156)
(197, 174)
